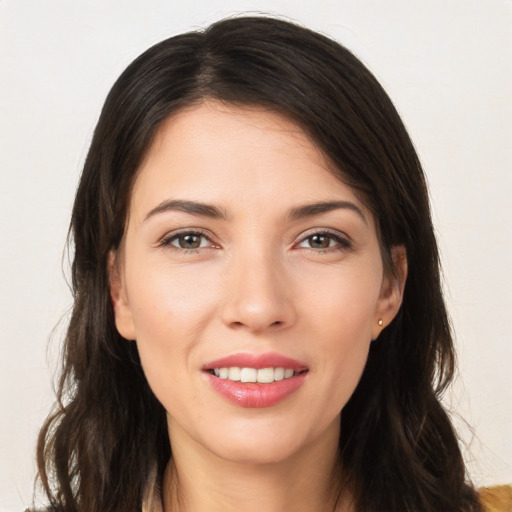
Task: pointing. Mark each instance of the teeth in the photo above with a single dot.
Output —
(262, 375)
(265, 375)
(234, 373)
(248, 375)
(279, 373)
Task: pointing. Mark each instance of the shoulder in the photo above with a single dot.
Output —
(496, 499)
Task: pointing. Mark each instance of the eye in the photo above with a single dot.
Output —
(187, 240)
(324, 241)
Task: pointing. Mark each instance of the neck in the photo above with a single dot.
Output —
(197, 480)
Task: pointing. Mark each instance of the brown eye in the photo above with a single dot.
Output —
(319, 241)
(324, 241)
(187, 241)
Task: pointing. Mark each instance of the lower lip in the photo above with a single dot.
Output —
(250, 394)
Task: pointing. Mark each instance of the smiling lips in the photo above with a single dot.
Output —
(256, 381)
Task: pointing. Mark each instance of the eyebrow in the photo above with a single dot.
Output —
(310, 210)
(192, 207)
(211, 211)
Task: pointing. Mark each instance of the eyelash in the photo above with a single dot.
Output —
(342, 244)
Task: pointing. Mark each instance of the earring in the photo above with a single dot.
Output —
(380, 322)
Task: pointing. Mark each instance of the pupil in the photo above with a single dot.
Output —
(189, 242)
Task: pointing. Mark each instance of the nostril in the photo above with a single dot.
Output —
(239, 324)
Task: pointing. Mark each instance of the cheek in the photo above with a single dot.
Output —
(169, 310)
(344, 350)
(341, 314)
(342, 302)
(167, 299)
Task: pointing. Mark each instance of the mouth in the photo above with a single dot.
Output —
(250, 380)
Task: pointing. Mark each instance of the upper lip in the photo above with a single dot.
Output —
(246, 360)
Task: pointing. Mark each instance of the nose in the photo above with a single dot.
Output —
(257, 294)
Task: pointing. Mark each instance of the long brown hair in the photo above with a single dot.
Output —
(108, 430)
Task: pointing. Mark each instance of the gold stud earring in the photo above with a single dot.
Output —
(380, 322)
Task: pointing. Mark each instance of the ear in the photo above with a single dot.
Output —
(122, 311)
(391, 292)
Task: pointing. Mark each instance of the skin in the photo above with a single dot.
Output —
(259, 281)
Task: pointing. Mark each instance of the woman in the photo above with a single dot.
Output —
(258, 318)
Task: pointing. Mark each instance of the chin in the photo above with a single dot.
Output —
(269, 441)
(257, 451)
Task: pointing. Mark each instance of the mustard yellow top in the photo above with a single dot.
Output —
(496, 499)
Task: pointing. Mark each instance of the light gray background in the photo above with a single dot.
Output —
(446, 64)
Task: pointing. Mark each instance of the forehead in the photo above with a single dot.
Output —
(230, 154)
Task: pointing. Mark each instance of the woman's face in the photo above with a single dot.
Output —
(252, 280)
